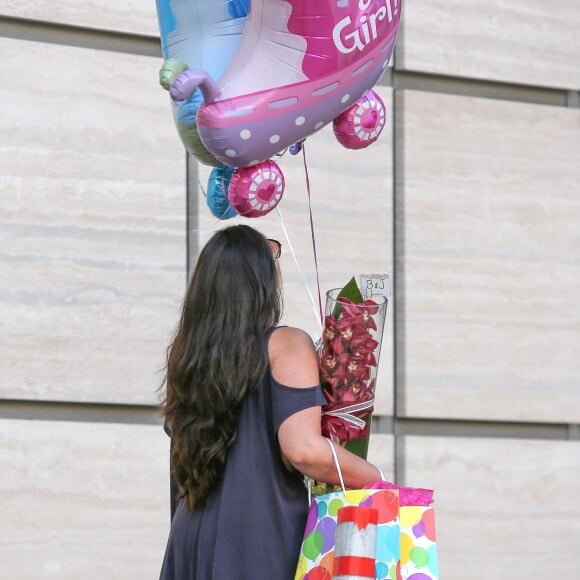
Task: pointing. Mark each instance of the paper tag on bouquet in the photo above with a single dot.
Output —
(375, 285)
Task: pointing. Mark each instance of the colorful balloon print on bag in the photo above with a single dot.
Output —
(418, 539)
(418, 543)
(317, 552)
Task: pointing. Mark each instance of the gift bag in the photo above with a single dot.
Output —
(418, 538)
(317, 551)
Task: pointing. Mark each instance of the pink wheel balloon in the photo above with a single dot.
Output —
(362, 123)
(256, 190)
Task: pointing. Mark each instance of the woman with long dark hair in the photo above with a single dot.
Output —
(243, 407)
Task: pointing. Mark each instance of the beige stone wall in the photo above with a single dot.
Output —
(470, 200)
(505, 507)
(488, 258)
(92, 272)
(525, 42)
(82, 500)
(93, 224)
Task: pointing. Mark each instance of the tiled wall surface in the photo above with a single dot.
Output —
(471, 203)
(504, 507)
(132, 16)
(82, 500)
(513, 41)
(93, 224)
(488, 258)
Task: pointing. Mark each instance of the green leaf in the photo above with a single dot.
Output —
(350, 291)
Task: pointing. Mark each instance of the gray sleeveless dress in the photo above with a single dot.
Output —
(252, 525)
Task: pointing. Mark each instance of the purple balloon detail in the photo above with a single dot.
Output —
(327, 527)
(419, 529)
(419, 576)
(186, 82)
(368, 502)
(296, 148)
(311, 520)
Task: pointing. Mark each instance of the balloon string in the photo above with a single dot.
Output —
(312, 233)
(300, 271)
(202, 188)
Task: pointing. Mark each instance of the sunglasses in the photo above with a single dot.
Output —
(276, 248)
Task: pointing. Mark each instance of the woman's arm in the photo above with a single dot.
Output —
(295, 364)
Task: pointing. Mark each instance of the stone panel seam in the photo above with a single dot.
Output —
(81, 412)
(398, 463)
(88, 412)
(477, 429)
(81, 37)
(574, 432)
(573, 99)
(192, 208)
(477, 88)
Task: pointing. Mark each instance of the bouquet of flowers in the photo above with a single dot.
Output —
(349, 353)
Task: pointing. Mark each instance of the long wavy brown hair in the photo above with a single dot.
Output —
(218, 354)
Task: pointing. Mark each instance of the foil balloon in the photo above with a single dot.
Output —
(254, 191)
(300, 64)
(217, 193)
(200, 34)
(362, 123)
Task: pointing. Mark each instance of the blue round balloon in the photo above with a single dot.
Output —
(217, 193)
(238, 8)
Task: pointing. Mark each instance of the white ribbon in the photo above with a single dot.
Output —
(346, 413)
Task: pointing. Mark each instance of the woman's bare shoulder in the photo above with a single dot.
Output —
(293, 357)
(286, 337)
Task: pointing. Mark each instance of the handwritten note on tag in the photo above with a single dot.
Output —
(375, 285)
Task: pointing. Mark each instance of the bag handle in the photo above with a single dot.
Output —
(383, 478)
(337, 465)
(308, 480)
(339, 471)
